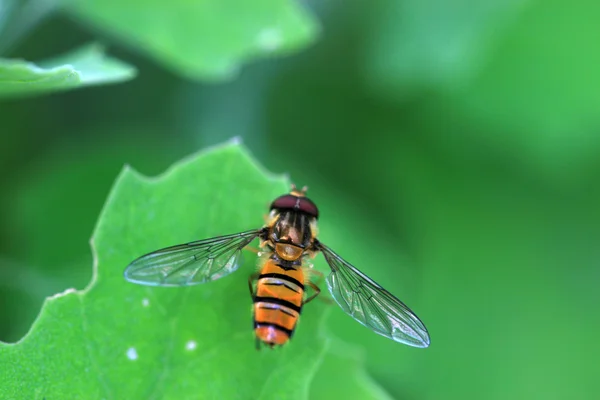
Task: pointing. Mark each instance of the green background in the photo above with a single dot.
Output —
(453, 150)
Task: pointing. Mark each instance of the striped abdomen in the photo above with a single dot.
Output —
(277, 303)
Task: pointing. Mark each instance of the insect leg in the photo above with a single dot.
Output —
(251, 279)
(320, 278)
(317, 292)
(251, 249)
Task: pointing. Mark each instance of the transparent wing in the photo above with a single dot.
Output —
(371, 305)
(191, 263)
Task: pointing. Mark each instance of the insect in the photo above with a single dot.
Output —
(280, 290)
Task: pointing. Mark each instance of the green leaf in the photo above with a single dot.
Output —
(207, 39)
(18, 18)
(119, 340)
(431, 43)
(55, 191)
(21, 293)
(86, 66)
(538, 94)
(344, 365)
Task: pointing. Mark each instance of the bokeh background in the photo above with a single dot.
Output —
(462, 140)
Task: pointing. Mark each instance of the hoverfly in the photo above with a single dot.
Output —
(279, 290)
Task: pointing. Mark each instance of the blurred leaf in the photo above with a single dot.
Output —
(207, 39)
(56, 190)
(115, 339)
(537, 98)
(55, 193)
(503, 263)
(18, 18)
(432, 43)
(83, 67)
(23, 288)
(21, 293)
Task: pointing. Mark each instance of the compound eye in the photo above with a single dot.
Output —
(308, 207)
(285, 202)
(291, 202)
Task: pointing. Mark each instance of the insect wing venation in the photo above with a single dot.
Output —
(192, 263)
(371, 305)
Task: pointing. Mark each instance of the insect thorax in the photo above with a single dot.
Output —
(291, 233)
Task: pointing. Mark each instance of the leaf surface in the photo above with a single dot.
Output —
(206, 39)
(119, 340)
(86, 66)
(342, 376)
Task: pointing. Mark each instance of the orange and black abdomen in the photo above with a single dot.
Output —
(277, 302)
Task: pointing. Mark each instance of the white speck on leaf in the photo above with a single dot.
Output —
(145, 302)
(132, 354)
(269, 39)
(191, 345)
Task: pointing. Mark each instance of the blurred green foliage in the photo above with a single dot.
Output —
(85, 66)
(460, 141)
